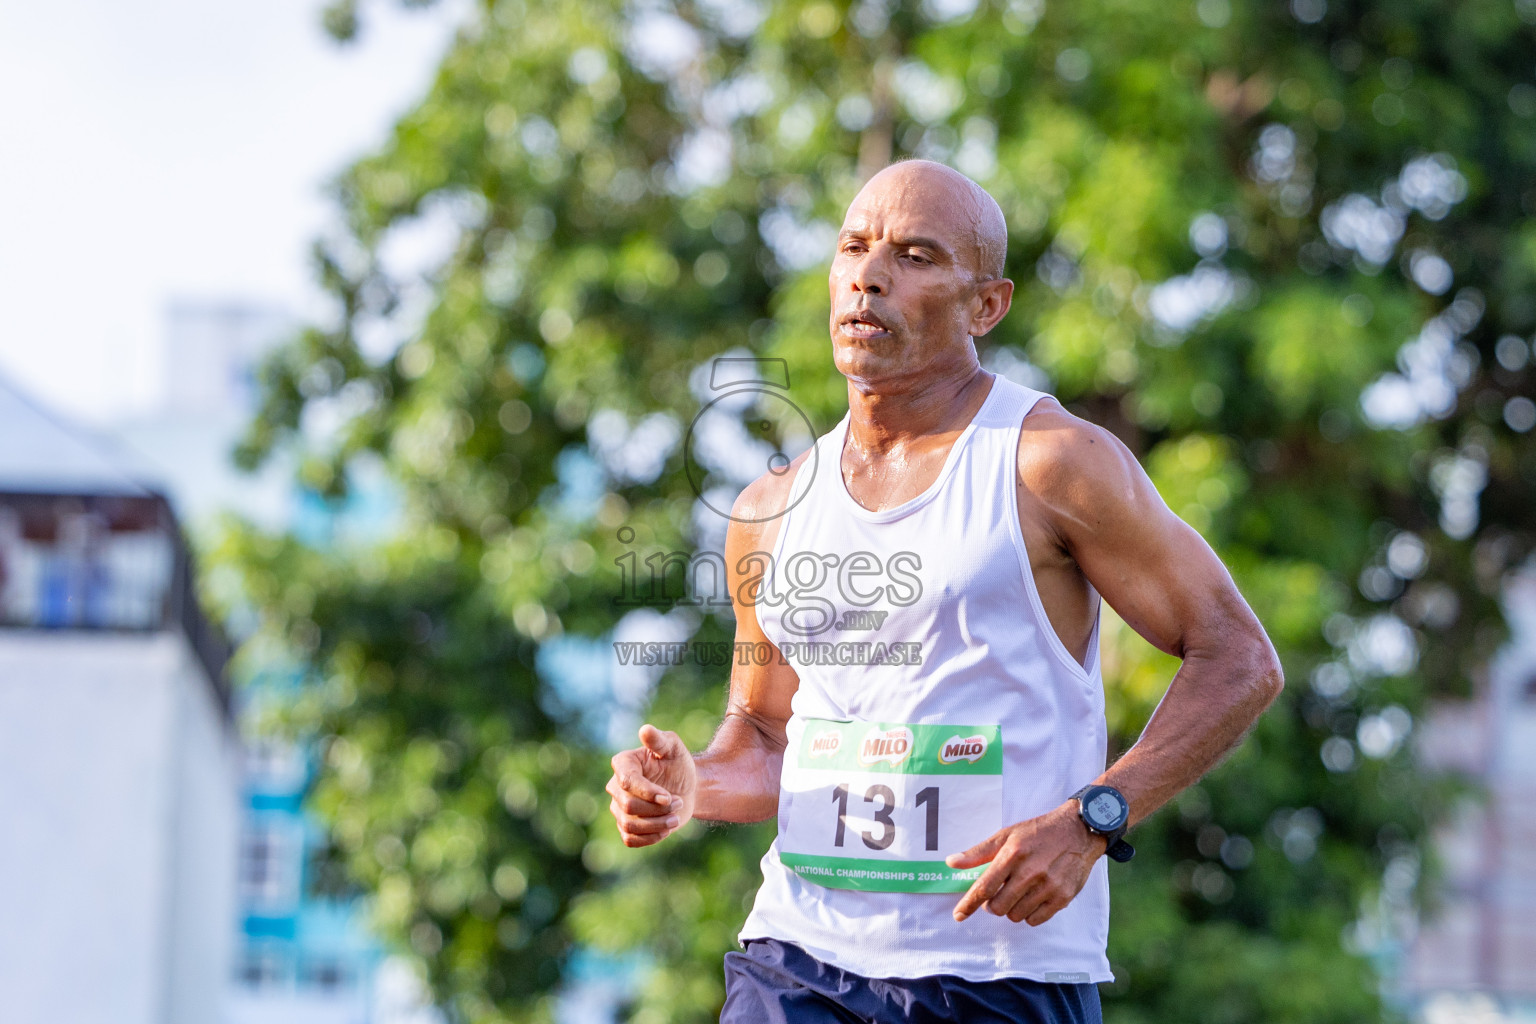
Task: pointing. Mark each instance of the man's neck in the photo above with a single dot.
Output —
(885, 419)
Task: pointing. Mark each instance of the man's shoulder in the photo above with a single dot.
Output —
(761, 503)
(1070, 463)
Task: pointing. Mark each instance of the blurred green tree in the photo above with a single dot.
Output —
(1286, 252)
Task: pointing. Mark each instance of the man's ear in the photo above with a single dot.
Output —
(990, 305)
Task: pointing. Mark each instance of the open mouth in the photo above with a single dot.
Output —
(862, 323)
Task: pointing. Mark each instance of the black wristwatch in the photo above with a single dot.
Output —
(1106, 813)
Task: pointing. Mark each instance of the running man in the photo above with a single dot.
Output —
(944, 818)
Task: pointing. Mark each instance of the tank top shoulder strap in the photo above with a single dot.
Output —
(1014, 402)
(998, 422)
(806, 492)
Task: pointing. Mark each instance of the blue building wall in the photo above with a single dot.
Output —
(296, 942)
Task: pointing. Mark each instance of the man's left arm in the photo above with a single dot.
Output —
(1162, 578)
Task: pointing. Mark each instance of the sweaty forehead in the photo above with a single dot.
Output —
(917, 198)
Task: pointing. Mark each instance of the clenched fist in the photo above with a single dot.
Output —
(652, 787)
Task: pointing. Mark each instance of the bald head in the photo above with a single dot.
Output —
(928, 185)
(917, 275)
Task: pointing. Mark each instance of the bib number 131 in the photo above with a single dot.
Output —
(878, 805)
(880, 793)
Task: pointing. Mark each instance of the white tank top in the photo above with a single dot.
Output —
(988, 655)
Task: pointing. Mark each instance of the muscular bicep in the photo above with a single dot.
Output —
(1152, 568)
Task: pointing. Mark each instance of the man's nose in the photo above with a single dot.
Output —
(872, 276)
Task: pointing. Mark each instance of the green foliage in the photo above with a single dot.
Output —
(604, 248)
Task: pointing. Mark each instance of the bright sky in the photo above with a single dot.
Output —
(174, 148)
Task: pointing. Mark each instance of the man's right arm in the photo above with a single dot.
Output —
(659, 785)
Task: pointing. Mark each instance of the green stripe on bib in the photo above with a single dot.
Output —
(903, 749)
(875, 876)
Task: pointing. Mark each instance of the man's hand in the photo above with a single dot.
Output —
(1038, 867)
(653, 787)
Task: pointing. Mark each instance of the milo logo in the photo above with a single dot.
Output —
(825, 743)
(968, 748)
(893, 745)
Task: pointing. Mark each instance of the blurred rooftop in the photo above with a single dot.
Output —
(87, 542)
(42, 455)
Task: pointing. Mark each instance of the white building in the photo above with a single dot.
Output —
(1473, 959)
(301, 955)
(119, 774)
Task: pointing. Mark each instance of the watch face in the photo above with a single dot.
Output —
(1104, 811)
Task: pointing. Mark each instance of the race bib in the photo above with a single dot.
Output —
(879, 805)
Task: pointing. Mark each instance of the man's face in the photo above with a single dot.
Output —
(903, 280)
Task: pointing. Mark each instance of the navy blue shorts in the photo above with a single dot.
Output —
(777, 982)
